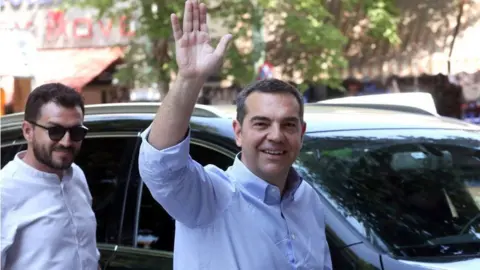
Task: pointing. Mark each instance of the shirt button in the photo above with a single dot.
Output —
(293, 236)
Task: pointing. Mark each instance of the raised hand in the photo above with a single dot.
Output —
(196, 58)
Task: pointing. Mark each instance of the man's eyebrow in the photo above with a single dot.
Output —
(266, 119)
(291, 119)
(53, 123)
(60, 125)
(260, 118)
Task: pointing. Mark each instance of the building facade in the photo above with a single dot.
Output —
(46, 44)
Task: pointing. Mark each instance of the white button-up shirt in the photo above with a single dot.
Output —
(232, 219)
(46, 224)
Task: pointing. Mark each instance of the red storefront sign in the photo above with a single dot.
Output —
(57, 25)
(82, 27)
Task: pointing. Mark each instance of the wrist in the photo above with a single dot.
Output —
(191, 80)
(190, 85)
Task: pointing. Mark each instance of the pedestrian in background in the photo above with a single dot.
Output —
(47, 222)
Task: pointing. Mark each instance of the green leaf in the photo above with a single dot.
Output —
(307, 37)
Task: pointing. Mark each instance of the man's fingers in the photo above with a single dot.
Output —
(188, 17)
(196, 16)
(203, 18)
(222, 45)
(177, 31)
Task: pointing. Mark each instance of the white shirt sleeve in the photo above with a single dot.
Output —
(8, 228)
(192, 194)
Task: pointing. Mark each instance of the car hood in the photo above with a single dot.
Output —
(471, 264)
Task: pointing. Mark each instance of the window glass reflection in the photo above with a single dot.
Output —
(156, 228)
(406, 191)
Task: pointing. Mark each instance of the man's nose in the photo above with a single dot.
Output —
(275, 133)
(66, 140)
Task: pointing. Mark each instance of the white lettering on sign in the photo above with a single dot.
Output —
(16, 4)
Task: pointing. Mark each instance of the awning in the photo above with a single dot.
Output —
(74, 67)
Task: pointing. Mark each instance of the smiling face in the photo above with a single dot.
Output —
(270, 135)
(50, 154)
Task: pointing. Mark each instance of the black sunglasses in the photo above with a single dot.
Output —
(56, 133)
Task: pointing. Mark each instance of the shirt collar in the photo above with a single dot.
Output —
(260, 188)
(31, 171)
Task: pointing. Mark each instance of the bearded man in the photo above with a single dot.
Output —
(47, 221)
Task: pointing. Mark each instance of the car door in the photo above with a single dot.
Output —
(106, 159)
(12, 142)
(9, 151)
(150, 244)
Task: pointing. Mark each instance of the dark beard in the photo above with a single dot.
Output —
(44, 156)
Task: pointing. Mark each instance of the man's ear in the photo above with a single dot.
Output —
(27, 130)
(237, 129)
(304, 129)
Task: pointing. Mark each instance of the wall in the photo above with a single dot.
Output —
(53, 29)
(426, 31)
(22, 88)
(92, 94)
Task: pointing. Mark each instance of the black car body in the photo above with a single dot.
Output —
(134, 231)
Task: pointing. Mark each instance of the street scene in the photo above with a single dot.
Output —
(254, 134)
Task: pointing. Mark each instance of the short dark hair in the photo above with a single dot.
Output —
(273, 86)
(58, 93)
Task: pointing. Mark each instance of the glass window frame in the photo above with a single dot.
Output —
(161, 255)
(372, 239)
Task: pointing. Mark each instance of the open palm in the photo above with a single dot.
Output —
(196, 58)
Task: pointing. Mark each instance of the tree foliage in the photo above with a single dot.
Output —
(307, 38)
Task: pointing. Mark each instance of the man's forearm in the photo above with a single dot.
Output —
(173, 116)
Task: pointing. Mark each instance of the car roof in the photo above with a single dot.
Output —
(343, 117)
(118, 111)
(420, 102)
(218, 119)
(130, 117)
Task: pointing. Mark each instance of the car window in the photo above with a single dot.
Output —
(106, 163)
(148, 243)
(412, 192)
(8, 153)
(156, 229)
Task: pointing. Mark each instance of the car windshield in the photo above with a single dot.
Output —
(411, 192)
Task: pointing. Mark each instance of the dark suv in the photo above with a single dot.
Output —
(401, 189)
